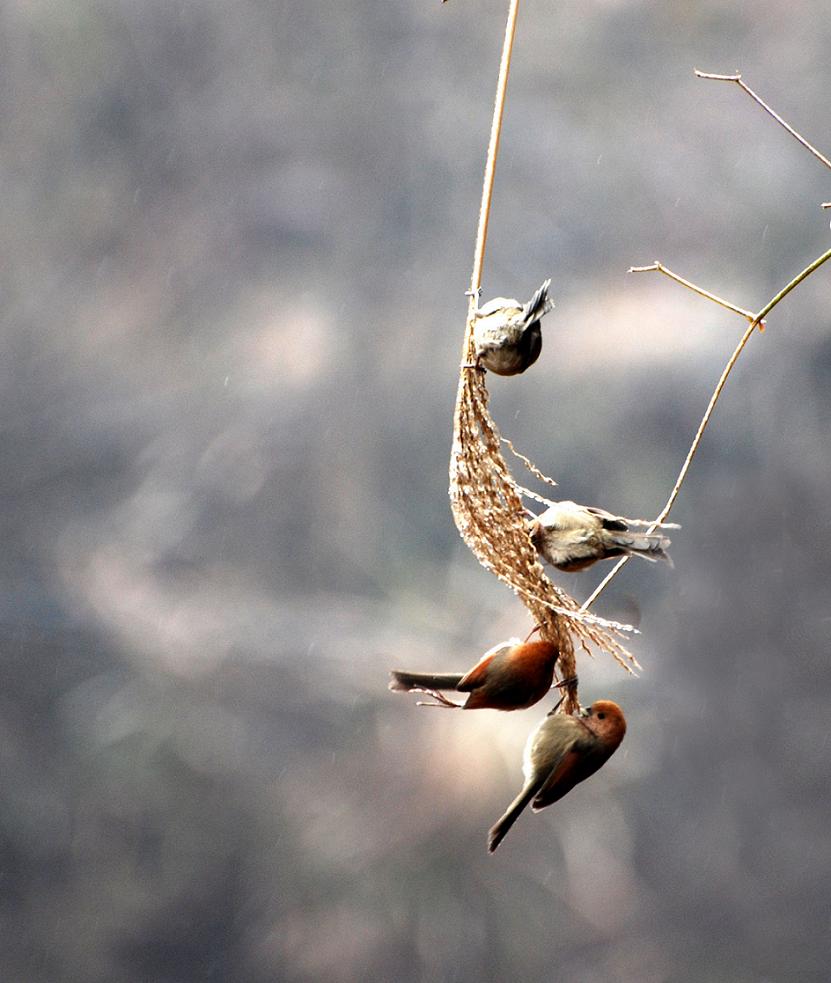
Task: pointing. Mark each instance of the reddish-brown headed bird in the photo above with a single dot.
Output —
(511, 676)
(561, 752)
(507, 335)
(572, 537)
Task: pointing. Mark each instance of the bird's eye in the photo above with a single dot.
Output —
(601, 716)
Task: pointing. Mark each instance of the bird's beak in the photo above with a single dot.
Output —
(585, 712)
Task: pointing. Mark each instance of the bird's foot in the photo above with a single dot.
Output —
(441, 700)
(556, 707)
(569, 682)
(475, 294)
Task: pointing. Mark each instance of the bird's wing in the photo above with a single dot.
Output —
(478, 674)
(570, 770)
(609, 521)
(508, 305)
(493, 329)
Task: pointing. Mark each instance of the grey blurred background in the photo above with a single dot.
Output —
(236, 237)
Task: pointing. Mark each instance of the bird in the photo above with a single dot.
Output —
(507, 334)
(572, 537)
(513, 675)
(563, 751)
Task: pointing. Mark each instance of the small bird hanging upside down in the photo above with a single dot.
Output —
(511, 676)
(507, 335)
(560, 753)
(572, 537)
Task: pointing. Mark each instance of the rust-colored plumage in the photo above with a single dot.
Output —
(560, 753)
(511, 676)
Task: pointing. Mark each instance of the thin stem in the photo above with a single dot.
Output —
(742, 85)
(728, 368)
(527, 493)
(794, 283)
(682, 474)
(660, 268)
(535, 471)
(490, 163)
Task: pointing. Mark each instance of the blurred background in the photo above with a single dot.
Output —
(237, 238)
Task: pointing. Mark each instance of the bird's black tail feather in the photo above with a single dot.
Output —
(538, 305)
(406, 682)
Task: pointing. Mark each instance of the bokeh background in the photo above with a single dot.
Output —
(236, 237)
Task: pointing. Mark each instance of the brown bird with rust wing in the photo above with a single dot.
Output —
(560, 753)
(511, 676)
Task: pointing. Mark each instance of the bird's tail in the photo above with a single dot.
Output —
(650, 546)
(498, 831)
(406, 682)
(538, 305)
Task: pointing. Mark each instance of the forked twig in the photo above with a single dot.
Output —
(485, 498)
(755, 320)
(660, 268)
(736, 77)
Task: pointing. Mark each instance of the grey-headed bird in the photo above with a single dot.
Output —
(507, 334)
(572, 537)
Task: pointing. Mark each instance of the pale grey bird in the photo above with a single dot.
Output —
(507, 334)
(572, 537)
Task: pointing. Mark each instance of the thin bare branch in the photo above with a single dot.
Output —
(490, 163)
(794, 283)
(657, 267)
(728, 368)
(736, 77)
(527, 493)
(535, 471)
